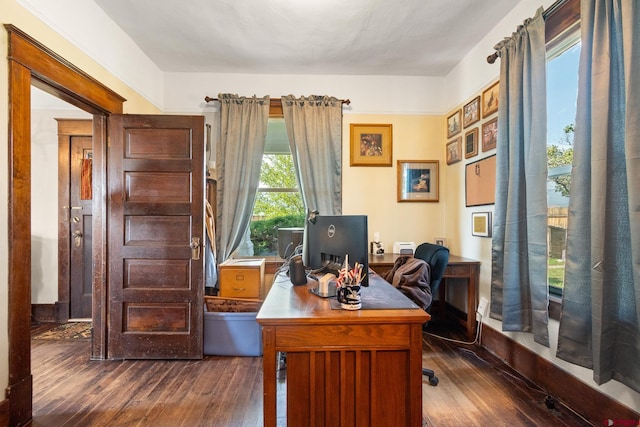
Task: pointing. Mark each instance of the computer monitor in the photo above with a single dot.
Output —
(288, 240)
(331, 237)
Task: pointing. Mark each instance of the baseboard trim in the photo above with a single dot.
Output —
(586, 401)
(43, 313)
(4, 412)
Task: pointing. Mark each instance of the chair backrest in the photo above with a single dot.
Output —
(437, 257)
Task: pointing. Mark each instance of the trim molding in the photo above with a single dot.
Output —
(585, 400)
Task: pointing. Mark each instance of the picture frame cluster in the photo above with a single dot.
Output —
(476, 135)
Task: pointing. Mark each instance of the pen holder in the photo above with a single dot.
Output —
(349, 297)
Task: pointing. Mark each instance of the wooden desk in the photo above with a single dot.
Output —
(343, 367)
(457, 268)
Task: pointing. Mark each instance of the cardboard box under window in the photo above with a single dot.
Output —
(230, 327)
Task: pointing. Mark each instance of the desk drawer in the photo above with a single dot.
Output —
(457, 271)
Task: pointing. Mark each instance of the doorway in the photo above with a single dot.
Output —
(75, 159)
(32, 63)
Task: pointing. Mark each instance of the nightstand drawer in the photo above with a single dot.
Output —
(242, 278)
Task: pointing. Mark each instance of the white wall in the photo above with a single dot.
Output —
(466, 81)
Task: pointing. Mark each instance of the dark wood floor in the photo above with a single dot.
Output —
(475, 389)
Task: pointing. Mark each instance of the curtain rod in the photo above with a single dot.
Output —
(209, 99)
(549, 11)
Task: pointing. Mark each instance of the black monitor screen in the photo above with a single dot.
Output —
(332, 237)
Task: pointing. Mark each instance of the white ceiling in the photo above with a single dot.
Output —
(330, 37)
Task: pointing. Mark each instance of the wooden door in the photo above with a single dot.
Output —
(80, 227)
(155, 234)
(75, 267)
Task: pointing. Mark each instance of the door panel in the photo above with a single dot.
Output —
(156, 209)
(80, 228)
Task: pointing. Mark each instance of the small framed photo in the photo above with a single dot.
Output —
(453, 124)
(490, 100)
(440, 241)
(481, 224)
(454, 151)
(418, 180)
(489, 134)
(471, 143)
(371, 144)
(471, 112)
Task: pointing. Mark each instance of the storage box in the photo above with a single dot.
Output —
(232, 334)
(242, 278)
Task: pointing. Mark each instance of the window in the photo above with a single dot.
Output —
(278, 202)
(562, 88)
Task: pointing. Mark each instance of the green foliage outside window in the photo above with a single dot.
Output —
(278, 205)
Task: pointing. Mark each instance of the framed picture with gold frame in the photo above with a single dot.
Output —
(454, 151)
(489, 134)
(371, 144)
(471, 143)
(490, 99)
(471, 112)
(454, 125)
(418, 180)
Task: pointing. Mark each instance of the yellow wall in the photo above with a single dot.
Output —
(12, 13)
(373, 190)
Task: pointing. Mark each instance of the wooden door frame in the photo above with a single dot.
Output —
(31, 63)
(67, 129)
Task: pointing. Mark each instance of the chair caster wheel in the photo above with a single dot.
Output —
(433, 381)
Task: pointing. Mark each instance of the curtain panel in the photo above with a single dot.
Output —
(519, 291)
(243, 132)
(314, 128)
(600, 318)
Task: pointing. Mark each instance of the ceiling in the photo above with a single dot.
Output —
(327, 37)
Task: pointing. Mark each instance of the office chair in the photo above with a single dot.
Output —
(437, 257)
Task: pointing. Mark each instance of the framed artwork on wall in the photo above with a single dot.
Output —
(489, 134)
(454, 151)
(481, 224)
(453, 124)
(471, 112)
(471, 143)
(371, 144)
(418, 180)
(490, 100)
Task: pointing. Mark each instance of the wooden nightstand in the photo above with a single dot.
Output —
(242, 278)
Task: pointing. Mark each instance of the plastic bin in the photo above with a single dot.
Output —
(232, 334)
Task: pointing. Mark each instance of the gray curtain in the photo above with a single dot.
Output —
(243, 130)
(519, 292)
(314, 128)
(600, 320)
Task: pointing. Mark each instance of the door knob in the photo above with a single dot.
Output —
(195, 248)
(77, 235)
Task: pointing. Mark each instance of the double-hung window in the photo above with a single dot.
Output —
(563, 53)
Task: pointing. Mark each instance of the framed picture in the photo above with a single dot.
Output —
(453, 124)
(471, 112)
(481, 224)
(440, 241)
(471, 143)
(489, 134)
(454, 151)
(371, 145)
(418, 180)
(490, 99)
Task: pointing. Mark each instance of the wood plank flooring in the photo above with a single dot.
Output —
(475, 389)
